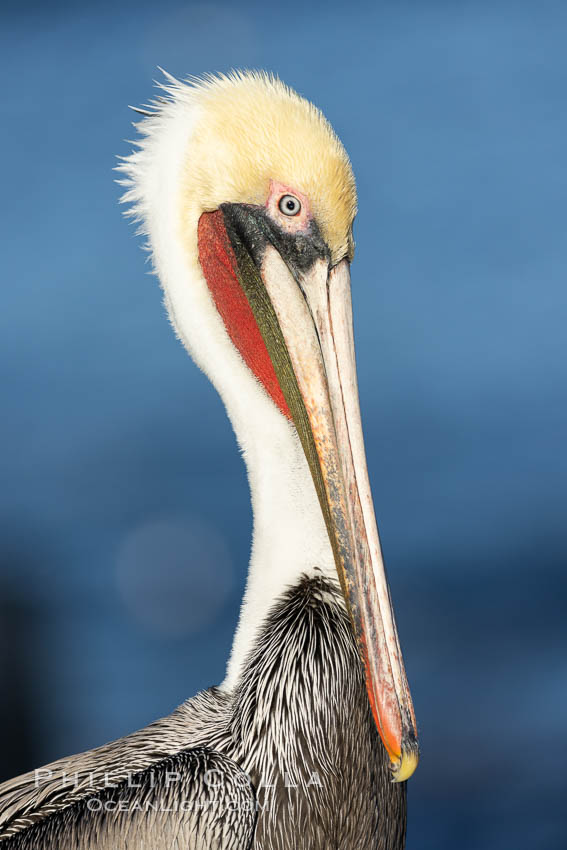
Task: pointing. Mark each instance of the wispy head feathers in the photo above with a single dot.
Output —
(242, 129)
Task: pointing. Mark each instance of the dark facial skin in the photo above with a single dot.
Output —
(253, 227)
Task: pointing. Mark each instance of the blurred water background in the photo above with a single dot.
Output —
(125, 519)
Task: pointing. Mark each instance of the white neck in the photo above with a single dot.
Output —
(289, 538)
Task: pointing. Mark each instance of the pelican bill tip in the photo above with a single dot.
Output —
(404, 767)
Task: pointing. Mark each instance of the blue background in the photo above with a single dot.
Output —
(120, 474)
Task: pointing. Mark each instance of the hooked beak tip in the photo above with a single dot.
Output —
(404, 767)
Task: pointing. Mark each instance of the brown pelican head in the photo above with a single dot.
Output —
(248, 199)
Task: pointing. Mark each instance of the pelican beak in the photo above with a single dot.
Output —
(302, 306)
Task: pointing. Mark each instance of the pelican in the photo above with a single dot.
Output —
(247, 199)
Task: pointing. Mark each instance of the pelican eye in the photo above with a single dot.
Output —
(289, 205)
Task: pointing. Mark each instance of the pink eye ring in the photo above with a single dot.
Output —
(289, 205)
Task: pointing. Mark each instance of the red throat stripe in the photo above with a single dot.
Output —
(219, 266)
